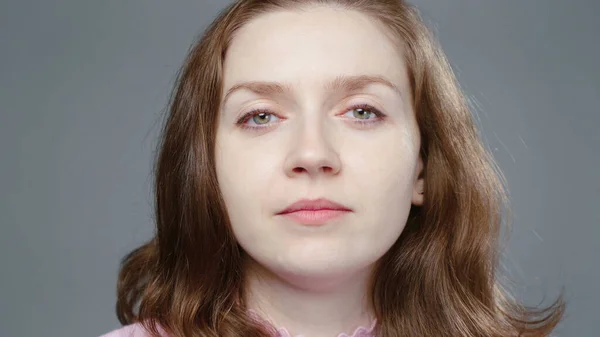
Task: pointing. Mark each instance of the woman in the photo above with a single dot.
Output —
(320, 175)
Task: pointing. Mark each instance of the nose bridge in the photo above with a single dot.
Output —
(312, 147)
(311, 136)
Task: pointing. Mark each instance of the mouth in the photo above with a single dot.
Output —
(315, 217)
(314, 212)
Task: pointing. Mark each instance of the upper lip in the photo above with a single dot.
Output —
(314, 205)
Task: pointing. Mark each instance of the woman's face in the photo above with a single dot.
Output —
(306, 72)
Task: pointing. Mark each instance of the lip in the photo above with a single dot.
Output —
(314, 211)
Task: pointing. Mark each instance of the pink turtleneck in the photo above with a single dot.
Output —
(137, 330)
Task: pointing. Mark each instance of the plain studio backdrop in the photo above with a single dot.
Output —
(84, 85)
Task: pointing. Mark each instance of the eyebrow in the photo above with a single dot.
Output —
(341, 83)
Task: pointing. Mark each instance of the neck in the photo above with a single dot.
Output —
(341, 306)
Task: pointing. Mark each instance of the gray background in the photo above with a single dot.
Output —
(84, 85)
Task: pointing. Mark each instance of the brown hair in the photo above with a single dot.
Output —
(439, 279)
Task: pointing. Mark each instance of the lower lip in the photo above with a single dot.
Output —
(315, 218)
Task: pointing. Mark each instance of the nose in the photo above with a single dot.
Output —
(312, 152)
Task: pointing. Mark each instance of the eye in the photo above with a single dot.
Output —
(257, 119)
(262, 118)
(364, 113)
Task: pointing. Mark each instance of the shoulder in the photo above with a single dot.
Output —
(132, 330)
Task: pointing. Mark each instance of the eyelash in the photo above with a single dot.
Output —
(363, 123)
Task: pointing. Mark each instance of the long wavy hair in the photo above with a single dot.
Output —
(440, 278)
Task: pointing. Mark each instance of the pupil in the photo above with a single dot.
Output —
(261, 117)
(361, 112)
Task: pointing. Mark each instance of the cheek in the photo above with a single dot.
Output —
(383, 179)
(386, 167)
(246, 170)
(386, 206)
(245, 174)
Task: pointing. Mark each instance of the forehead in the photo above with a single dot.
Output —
(311, 47)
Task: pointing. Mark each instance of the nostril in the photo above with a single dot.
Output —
(325, 169)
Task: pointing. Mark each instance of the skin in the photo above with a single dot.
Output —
(314, 280)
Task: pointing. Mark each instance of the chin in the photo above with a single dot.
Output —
(312, 263)
(318, 273)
